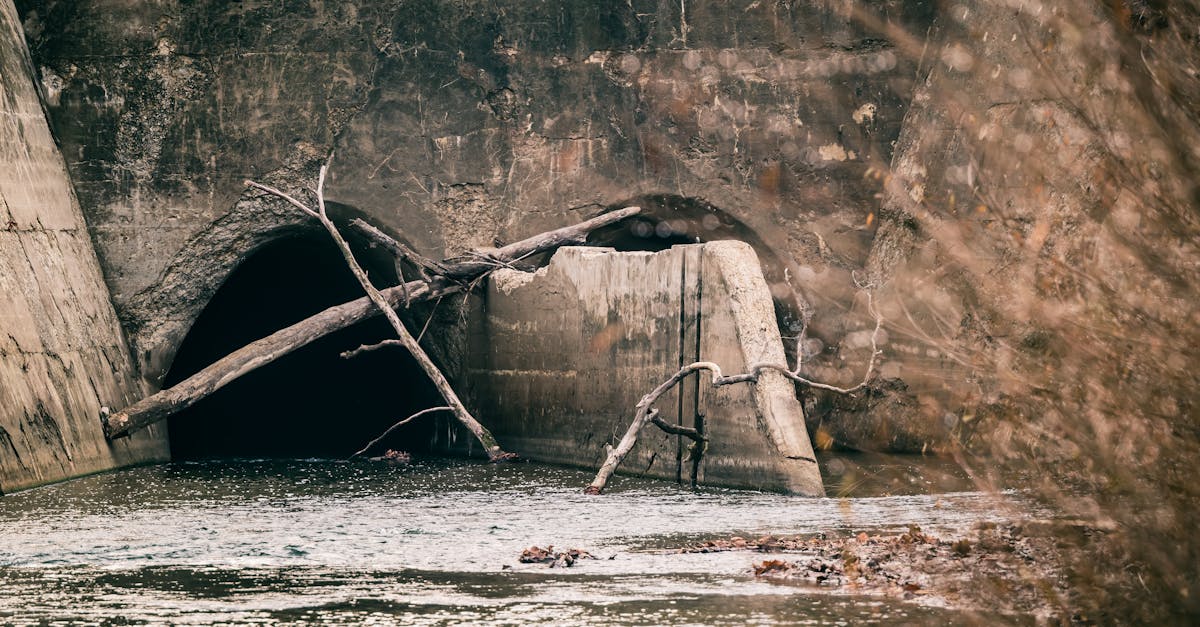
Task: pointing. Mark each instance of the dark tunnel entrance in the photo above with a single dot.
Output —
(310, 403)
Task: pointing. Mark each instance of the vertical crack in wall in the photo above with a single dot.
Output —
(698, 409)
(683, 360)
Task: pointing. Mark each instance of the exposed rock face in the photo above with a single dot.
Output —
(458, 123)
(62, 354)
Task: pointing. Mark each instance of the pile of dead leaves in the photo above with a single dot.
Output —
(993, 567)
(764, 544)
(556, 559)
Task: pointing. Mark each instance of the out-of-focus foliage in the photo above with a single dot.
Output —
(1039, 242)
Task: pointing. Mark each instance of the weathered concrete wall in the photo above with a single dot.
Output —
(62, 354)
(560, 357)
(456, 123)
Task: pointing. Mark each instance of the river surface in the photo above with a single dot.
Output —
(436, 542)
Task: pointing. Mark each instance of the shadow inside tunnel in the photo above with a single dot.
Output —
(310, 403)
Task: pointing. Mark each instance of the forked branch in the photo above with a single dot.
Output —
(481, 433)
(644, 412)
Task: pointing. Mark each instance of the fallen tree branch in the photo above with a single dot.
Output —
(471, 265)
(255, 355)
(641, 418)
(428, 267)
(397, 426)
(481, 433)
(646, 414)
(261, 352)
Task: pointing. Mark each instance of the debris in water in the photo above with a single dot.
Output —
(394, 457)
(1007, 568)
(559, 559)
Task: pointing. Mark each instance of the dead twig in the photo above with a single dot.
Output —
(425, 328)
(645, 413)
(350, 354)
(469, 266)
(397, 426)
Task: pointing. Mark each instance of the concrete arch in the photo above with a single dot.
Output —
(310, 402)
(669, 219)
(158, 318)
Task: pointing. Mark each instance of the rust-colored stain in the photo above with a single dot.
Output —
(656, 157)
(680, 109)
(569, 157)
(770, 181)
(606, 337)
(822, 440)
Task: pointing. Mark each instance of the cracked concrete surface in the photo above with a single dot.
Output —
(558, 359)
(62, 352)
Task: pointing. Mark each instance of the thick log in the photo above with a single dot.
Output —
(257, 354)
(167, 402)
(478, 262)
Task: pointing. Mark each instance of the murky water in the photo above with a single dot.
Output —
(435, 542)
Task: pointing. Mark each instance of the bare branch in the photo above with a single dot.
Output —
(397, 426)
(574, 234)
(275, 192)
(425, 328)
(426, 266)
(369, 347)
(646, 414)
(489, 258)
(321, 192)
(794, 375)
(642, 417)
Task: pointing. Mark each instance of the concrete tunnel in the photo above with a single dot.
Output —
(312, 403)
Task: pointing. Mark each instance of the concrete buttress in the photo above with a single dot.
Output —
(62, 353)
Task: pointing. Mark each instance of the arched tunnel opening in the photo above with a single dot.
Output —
(310, 403)
(667, 220)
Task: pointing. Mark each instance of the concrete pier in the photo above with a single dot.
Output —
(560, 357)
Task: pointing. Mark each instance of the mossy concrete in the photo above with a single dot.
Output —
(459, 123)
